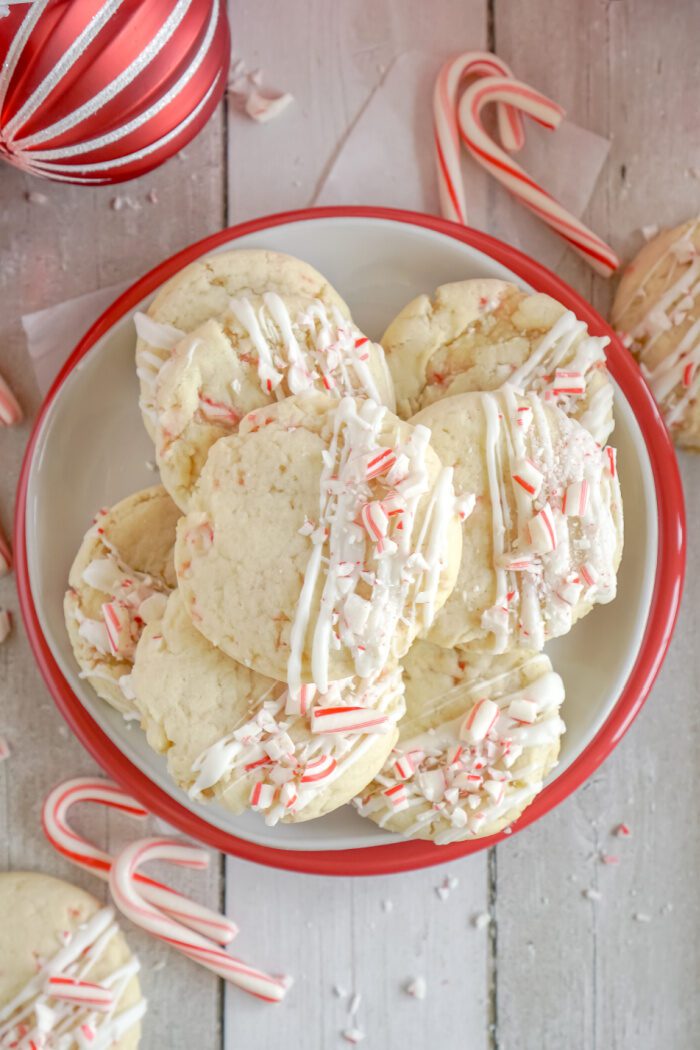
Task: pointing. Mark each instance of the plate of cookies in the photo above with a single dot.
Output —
(320, 540)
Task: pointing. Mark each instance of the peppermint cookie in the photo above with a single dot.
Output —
(481, 334)
(119, 580)
(202, 291)
(657, 314)
(232, 735)
(67, 977)
(322, 537)
(544, 540)
(480, 736)
(262, 349)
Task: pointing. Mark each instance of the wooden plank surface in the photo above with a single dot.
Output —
(49, 252)
(574, 972)
(557, 968)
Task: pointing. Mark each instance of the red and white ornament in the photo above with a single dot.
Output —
(103, 91)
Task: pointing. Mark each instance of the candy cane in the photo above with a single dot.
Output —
(126, 885)
(76, 849)
(447, 148)
(496, 161)
(10, 410)
(5, 554)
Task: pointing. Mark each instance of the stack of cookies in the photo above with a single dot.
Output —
(342, 590)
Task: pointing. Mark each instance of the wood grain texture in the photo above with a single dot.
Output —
(49, 252)
(571, 971)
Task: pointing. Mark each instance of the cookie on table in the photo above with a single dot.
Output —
(544, 540)
(479, 334)
(202, 291)
(262, 349)
(233, 736)
(46, 928)
(322, 537)
(657, 313)
(480, 735)
(120, 579)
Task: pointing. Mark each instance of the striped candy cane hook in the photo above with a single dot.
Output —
(504, 90)
(73, 847)
(447, 147)
(126, 887)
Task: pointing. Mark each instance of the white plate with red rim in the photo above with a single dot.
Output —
(378, 259)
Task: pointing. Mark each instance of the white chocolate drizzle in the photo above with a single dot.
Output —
(545, 559)
(286, 774)
(320, 348)
(362, 601)
(461, 780)
(675, 380)
(134, 600)
(35, 1019)
(158, 337)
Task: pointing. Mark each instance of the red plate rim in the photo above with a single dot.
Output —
(412, 854)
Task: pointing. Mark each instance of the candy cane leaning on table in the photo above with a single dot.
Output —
(503, 90)
(126, 888)
(70, 845)
(10, 410)
(447, 146)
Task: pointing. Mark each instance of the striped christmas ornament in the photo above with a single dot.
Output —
(101, 91)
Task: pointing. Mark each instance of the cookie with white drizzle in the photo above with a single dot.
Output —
(261, 350)
(480, 334)
(120, 579)
(236, 737)
(544, 540)
(323, 536)
(202, 291)
(657, 314)
(53, 934)
(480, 736)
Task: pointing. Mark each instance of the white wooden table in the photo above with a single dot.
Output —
(555, 968)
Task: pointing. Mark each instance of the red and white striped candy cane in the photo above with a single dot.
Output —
(447, 147)
(504, 90)
(10, 409)
(126, 887)
(69, 844)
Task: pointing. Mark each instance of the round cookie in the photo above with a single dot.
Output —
(202, 290)
(544, 540)
(239, 738)
(480, 735)
(322, 537)
(657, 313)
(120, 578)
(262, 349)
(46, 926)
(480, 334)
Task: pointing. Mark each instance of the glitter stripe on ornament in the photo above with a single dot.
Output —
(119, 133)
(115, 86)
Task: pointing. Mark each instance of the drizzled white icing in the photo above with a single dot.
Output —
(35, 1020)
(154, 337)
(319, 348)
(135, 599)
(675, 379)
(363, 599)
(290, 755)
(458, 786)
(546, 560)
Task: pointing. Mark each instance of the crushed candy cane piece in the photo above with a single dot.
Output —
(416, 987)
(264, 107)
(482, 920)
(5, 750)
(353, 1035)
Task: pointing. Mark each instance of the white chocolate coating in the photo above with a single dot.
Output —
(480, 735)
(478, 335)
(657, 314)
